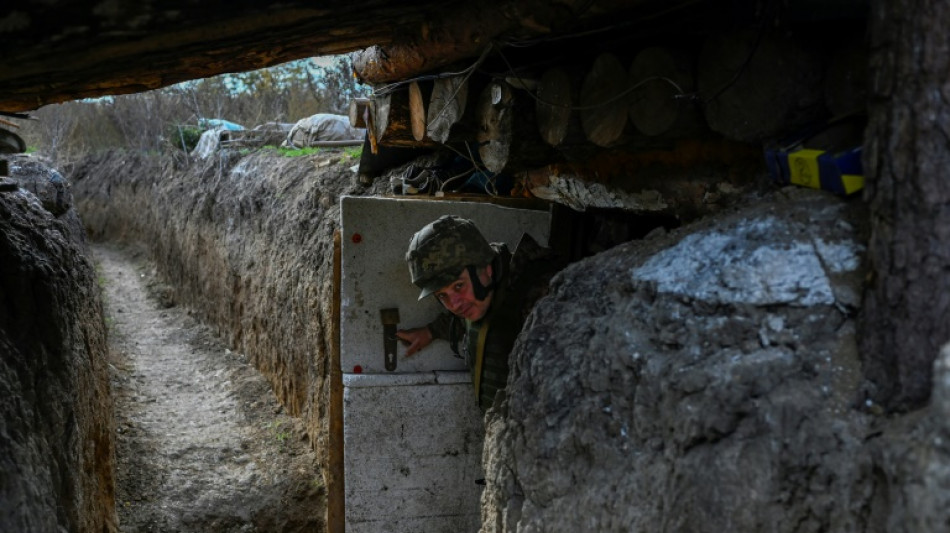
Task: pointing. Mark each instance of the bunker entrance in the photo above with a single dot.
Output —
(412, 431)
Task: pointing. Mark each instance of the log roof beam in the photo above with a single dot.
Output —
(58, 50)
(449, 36)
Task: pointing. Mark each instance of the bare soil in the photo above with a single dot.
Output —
(202, 443)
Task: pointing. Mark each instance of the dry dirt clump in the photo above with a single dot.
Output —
(202, 443)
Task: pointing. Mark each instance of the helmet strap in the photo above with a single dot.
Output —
(478, 290)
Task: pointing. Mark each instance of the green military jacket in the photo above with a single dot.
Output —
(519, 280)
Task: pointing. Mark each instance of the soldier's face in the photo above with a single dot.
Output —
(459, 297)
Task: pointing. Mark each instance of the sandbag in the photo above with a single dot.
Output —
(208, 143)
(322, 127)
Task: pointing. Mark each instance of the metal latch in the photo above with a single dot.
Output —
(390, 318)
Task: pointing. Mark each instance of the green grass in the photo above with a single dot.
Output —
(349, 152)
(292, 152)
(101, 279)
(353, 152)
(281, 433)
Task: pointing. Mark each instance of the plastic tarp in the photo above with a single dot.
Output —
(208, 143)
(219, 123)
(323, 127)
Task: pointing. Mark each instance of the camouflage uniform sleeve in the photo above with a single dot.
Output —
(441, 327)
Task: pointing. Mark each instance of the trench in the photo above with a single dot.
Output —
(202, 443)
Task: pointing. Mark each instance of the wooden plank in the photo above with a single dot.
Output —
(336, 499)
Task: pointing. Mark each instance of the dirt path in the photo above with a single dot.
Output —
(202, 445)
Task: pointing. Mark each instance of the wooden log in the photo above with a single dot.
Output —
(460, 31)
(603, 102)
(380, 110)
(758, 87)
(494, 136)
(11, 143)
(553, 105)
(357, 111)
(392, 121)
(520, 81)
(446, 106)
(419, 94)
(661, 77)
(507, 137)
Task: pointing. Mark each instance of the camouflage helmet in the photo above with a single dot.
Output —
(442, 249)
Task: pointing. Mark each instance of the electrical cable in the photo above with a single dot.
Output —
(386, 89)
(625, 92)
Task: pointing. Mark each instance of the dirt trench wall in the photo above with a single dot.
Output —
(56, 426)
(246, 242)
(708, 380)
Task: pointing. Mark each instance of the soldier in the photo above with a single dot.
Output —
(487, 291)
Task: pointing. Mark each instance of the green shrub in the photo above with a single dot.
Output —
(183, 136)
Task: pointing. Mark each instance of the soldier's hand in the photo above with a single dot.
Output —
(414, 339)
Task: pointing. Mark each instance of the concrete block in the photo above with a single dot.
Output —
(412, 455)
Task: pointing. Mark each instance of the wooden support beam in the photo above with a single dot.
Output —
(336, 503)
(392, 120)
(508, 138)
(494, 136)
(371, 128)
(603, 101)
(461, 32)
(380, 111)
(446, 106)
(662, 78)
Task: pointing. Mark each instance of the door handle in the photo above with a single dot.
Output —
(390, 319)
